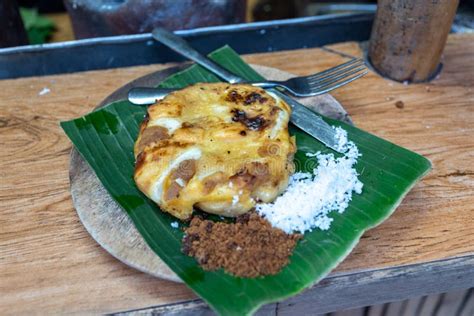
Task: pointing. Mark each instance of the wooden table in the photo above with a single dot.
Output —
(49, 263)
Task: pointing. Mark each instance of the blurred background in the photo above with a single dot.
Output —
(41, 21)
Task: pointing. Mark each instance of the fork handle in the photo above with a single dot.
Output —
(182, 47)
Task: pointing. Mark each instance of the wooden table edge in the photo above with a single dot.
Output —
(354, 289)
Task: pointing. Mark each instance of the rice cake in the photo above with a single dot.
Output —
(216, 146)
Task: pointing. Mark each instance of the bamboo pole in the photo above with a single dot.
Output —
(408, 37)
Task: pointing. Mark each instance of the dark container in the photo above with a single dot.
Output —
(12, 32)
(96, 18)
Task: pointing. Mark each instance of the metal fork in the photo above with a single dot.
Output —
(319, 83)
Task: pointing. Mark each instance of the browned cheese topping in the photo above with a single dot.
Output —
(216, 147)
(249, 248)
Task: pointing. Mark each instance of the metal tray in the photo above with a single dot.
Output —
(141, 49)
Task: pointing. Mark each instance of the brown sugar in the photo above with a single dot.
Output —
(249, 248)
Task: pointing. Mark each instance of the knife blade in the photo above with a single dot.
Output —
(301, 116)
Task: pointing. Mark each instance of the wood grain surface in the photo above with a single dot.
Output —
(49, 263)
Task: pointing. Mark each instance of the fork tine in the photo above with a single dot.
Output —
(329, 87)
(336, 77)
(352, 63)
(336, 72)
(343, 65)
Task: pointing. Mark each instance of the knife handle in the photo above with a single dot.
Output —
(179, 45)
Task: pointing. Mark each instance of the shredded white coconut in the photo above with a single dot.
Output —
(44, 91)
(310, 197)
(174, 224)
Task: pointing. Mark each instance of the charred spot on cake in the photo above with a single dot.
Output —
(254, 97)
(243, 133)
(255, 123)
(246, 98)
(234, 96)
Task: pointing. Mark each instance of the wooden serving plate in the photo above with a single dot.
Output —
(105, 220)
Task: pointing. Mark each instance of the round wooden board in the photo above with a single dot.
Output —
(104, 219)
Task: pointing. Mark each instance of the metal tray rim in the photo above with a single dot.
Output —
(185, 33)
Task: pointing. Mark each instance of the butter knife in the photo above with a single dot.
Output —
(301, 116)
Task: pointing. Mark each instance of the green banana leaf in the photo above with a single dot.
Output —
(105, 139)
(38, 28)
